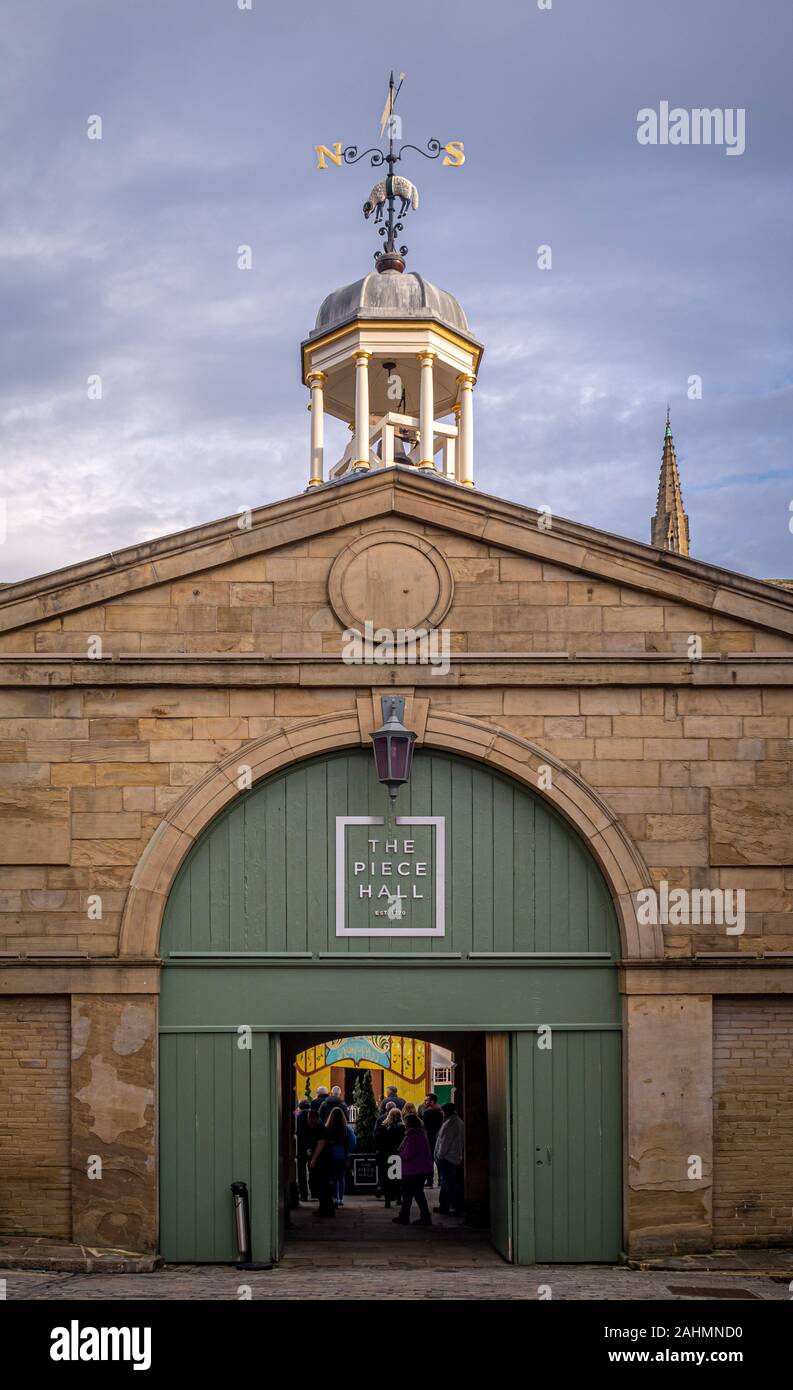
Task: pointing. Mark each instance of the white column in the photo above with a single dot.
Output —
(426, 411)
(361, 359)
(466, 454)
(454, 471)
(387, 447)
(316, 381)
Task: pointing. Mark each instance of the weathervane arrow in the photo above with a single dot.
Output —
(390, 101)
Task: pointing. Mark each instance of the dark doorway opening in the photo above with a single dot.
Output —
(365, 1228)
(346, 1077)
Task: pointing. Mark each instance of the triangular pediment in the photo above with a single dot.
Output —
(298, 526)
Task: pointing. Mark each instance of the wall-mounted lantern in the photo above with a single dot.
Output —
(393, 746)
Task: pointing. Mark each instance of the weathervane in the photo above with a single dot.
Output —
(394, 188)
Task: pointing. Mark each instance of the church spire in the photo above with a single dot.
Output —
(669, 526)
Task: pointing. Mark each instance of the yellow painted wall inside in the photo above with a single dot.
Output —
(409, 1090)
(409, 1071)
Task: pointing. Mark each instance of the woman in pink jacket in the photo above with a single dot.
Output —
(416, 1157)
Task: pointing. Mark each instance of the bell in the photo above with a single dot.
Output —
(401, 452)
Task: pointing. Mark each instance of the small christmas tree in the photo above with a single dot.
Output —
(307, 1092)
(365, 1112)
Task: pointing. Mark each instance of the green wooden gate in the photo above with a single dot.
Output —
(566, 1146)
(529, 942)
(218, 1108)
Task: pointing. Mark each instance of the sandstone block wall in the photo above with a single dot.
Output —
(35, 1163)
(115, 760)
(753, 1121)
(701, 774)
(502, 602)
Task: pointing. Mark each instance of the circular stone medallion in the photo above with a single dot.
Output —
(390, 579)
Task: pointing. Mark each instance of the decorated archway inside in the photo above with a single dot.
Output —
(413, 1065)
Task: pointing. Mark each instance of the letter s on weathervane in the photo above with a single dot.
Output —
(454, 153)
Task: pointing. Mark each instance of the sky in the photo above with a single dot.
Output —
(119, 256)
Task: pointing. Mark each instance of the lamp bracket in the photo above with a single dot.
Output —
(391, 705)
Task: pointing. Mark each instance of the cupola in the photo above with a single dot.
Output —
(393, 357)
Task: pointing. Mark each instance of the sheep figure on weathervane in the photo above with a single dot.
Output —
(395, 186)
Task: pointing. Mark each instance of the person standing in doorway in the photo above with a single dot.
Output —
(319, 1164)
(320, 1098)
(414, 1152)
(382, 1116)
(387, 1139)
(391, 1095)
(449, 1152)
(432, 1118)
(341, 1141)
(302, 1151)
(332, 1102)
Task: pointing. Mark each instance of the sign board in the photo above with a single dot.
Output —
(357, 1048)
(390, 880)
(364, 1172)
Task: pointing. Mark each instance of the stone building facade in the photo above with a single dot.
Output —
(657, 689)
(569, 647)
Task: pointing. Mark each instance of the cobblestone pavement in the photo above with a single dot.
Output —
(390, 1281)
(361, 1254)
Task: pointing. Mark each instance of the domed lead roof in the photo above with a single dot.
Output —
(390, 294)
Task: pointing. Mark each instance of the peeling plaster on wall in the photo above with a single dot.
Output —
(115, 1106)
(81, 1028)
(650, 1160)
(135, 1027)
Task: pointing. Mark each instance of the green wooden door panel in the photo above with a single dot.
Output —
(499, 1136)
(262, 877)
(218, 1124)
(367, 996)
(570, 1140)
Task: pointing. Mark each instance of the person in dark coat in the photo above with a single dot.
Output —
(319, 1165)
(302, 1150)
(341, 1143)
(432, 1118)
(388, 1137)
(391, 1097)
(333, 1102)
(319, 1098)
(416, 1164)
(382, 1116)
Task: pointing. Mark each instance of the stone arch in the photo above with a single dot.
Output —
(622, 865)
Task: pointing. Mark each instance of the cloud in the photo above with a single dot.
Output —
(118, 257)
